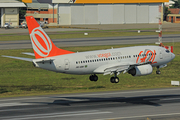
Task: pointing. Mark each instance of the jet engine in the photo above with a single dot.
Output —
(141, 70)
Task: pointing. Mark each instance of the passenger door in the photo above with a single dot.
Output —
(67, 64)
(160, 54)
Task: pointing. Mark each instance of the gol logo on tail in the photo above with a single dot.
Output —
(41, 42)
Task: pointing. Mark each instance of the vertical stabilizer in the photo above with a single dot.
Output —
(42, 45)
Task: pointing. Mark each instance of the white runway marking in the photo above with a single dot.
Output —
(29, 98)
(13, 104)
(130, 117)
(23, 109)
(53, 115)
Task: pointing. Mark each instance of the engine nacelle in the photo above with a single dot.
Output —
(141, 70)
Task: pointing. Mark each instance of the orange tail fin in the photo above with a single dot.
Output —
(42, 45)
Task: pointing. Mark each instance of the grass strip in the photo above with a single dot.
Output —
(21, 78)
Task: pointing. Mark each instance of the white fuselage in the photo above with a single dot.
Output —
(89, 62)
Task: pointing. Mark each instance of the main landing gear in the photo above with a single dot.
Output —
(93, 78)
(158, 71)
(114, 79)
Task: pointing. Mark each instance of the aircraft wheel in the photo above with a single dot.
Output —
(158, 72)
(116, 80)
(112, 79)
(93, 78)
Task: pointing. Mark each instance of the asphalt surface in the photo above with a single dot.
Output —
(92, 41)
(127, 105)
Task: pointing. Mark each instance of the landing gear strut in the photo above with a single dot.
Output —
(158, 71)
(93, 78)
(114, 79)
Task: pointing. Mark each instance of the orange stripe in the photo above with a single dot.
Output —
(154, 56)
(121, 1)
(151, 56)
(138, 57)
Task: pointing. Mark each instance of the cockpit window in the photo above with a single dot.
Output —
(167, 51)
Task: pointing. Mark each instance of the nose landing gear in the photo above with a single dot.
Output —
(158, 71)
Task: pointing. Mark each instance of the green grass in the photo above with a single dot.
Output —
(78, 34)
(21, 78)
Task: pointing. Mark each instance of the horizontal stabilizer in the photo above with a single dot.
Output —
(31, 54)
(19, 58)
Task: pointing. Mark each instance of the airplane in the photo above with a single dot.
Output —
(137, 60)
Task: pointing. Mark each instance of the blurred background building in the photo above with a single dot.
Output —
(9, 11)
(82, 12)
(79, 12)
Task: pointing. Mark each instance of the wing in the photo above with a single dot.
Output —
(109, 68)
(19, 58)
(116, 67)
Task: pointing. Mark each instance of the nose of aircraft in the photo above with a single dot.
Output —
(172, 56)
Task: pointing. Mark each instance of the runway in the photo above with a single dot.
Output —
(23, 44)
(127, 105)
